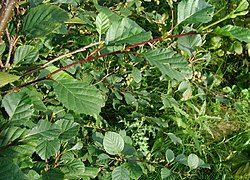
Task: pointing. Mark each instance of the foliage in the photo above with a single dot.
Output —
(125, 90)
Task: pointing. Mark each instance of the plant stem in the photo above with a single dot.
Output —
(216, 22)
(6, 13)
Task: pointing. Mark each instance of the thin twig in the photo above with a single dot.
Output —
(12, 43)
(63, 56)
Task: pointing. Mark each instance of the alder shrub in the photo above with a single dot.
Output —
(124, 89)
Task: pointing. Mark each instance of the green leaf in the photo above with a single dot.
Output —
(58, 76)
(175, 67)
(18, 106)
(240, 33)
(10, 170)
(112, 16)
(68, 129)
(113, 143)
(11, 134)
(126, 31)
(47, 148)
(2, 47)
(79, 96)
(73, 168)
(193, 161)
(102, 23)
(26, 55)
(6, 78)
(136, 74)
(194, 11)
(165, 173)
(45, 130)
(188, 43)
(242, 6)
(91, 172)
(170, 155)
(35, 97)
(43, 19)
(134, 169)
(53, 174)
(174, 138)
(120, 173)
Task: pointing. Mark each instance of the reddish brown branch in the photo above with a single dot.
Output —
(90, 58)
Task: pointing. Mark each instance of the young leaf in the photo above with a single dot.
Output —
(113, 143)
(120, 173)
(43, 19)
(6, 78)
(126, 31)
(165, 173)
(240, 33)
(79, 96)
(193, 161)
(242, 6)
(46, 148)
(169, 155)
(194, 11)
(26, 55)
(102, 23)
(18, 106)
(175, 67)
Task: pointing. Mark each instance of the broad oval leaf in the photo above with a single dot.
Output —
(136, 74)
(79, 96)
(165, 173)
(194, 11)
(11, 134)
(126, 31)
(240, 33)
(6, 78)
(26, 55)
(102, 23)
(170, 155)
(46, 148)
(120, 173)
(134, 169)
(193, 161)
(18, 106)
(188, 43)
(113, 143)
(43, 19)
(175, 67)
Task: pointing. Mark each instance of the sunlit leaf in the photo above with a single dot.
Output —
(26, 55)
(193, 161)
(126, 31)
(194, 11)
(6, 78)
(113, 143)
(73, 168)
(240, 33)
(174, 138)
(170, 155)
(102, 23)
(79, 96)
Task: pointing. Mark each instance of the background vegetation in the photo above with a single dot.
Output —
(134, 89)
